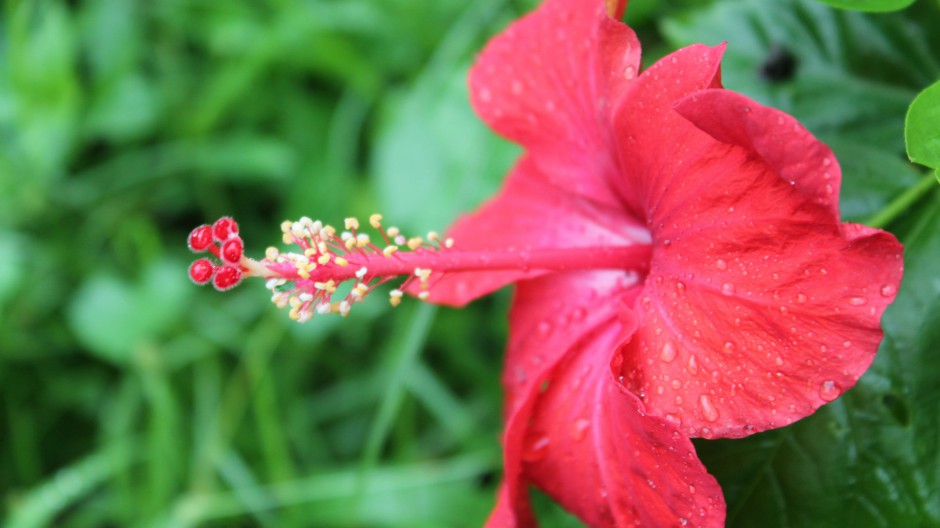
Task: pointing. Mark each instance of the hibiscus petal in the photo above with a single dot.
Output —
(527, 214)
(760, 307)
(545, 82)
(573, 433)
(654, 142)
(776, 137)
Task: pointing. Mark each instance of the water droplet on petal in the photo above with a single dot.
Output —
(728, 347)
(668, 352)
(579, 428)
(888, 290)
(536, 450)
(708, 410)
(544, 328)
(801, 298)
(721, 264)
(857, 301)
(829, 390)
(629, 72)
(727, 288)
(680, 286)
(683, 521)
(578, 314)
(693, 365)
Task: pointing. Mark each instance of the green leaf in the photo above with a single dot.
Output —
(869, 5)
(112, 317)
(922, 128)
(434, 157)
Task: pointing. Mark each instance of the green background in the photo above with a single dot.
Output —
(130, 397)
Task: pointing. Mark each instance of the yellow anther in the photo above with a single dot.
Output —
(295, 302)
(394, 297)
(295, 313)
(449, 243)
(285, 226)
(340, 261)
(271, 253)
(327, 232)
(324, 259)
(424, 295)
(362, 240)
(350, 242)
(331, 286)
(362, 288)
(433, 236)
(279, 300)
(304, 274)
(423, 274)
(352, 223)
(389, 251)
(393, 232)
(309, 252)
(344, 308)
(415, 243)
(287, 238)
(322, 247)
(375, 220)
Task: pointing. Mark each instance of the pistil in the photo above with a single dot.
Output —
(309, 279)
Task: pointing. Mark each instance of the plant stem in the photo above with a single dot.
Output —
(900, 204)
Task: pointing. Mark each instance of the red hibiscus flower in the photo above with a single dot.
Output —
(680, 268)
(755, 306)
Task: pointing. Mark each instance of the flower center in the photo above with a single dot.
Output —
(348, 265)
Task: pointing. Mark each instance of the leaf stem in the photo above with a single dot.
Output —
(900, 204)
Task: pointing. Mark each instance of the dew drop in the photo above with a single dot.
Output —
(629, 72)
(683, 521)
(829, 189)
(680, 286)
(668, 353)
(800, 298)
(857, 301)
(579, 428)
(888, 290)
(544, 328)
(728, 347)
(516, 87)
(721, 264)
(779, 361)
(708, 410)
(675, 384)
(693, 365)
(536, 450)
(579, 314)
(847, 343)
(727, 288)
(828, 390)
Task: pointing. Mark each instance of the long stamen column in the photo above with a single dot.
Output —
(348, 265)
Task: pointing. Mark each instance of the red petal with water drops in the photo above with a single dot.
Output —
(760, 307)
(573, 433)
(549, 80)
(656, 145)
(530, 213)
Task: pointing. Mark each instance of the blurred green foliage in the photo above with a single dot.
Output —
(129, 397)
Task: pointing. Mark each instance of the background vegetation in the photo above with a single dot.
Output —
(130, 397)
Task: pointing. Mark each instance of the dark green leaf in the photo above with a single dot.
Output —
(869, 5)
